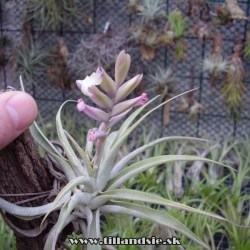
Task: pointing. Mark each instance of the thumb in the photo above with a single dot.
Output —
(17, 112)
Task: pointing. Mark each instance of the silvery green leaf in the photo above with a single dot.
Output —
(27, 233)
(67, 169)
(135, 195)
(107, 146)
(84, 157)
(153, 215)
(143, 165)
(95, 231)
(87, 181)
(42, 140)
(122, 163)
(89, 217)
(61, 222)
(26, 212)
(75, 162)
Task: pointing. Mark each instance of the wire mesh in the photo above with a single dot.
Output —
(213, 122)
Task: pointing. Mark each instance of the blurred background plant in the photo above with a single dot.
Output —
(29, 60)
(174, 33)
(163, 80)
(52, 14)
(101, 49)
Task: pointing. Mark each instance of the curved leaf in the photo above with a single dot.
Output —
(153, 215)
(26, 212)
(81, 153)
(82, 180)
(75, 162)
(136, 195)
(122, 163)
(143, 165)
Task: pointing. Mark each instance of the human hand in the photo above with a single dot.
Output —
(17, 112)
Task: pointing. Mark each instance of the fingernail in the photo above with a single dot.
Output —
(18, 107)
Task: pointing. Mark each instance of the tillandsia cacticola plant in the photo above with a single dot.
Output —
(89, 182)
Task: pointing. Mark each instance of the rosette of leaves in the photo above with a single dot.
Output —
(51, 14)
(164, 85)
(214, 64)
(151, 10)
(29, 60)
(93, 180)
(58, 71)
(233, 89)
(174, 32)
(4, 43)
(145, 32)
(102, 49)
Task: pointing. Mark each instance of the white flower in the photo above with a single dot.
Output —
(93, 79)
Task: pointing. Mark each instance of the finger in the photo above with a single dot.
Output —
(17, 112)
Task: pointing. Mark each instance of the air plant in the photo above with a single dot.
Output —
(102, 49)
(233, 89)
(4, 43)
(29, 60)
(174, 31)
(91, 184)
(229, 11)
(58, 70)
(202, 28)
(189, 104)
(164, 84)
(215, 64)
(147, 38)
(151, 10)
(51, 14)
(145, 33)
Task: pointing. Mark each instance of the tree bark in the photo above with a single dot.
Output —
(24, 171)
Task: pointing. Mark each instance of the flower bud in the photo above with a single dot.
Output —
(100, 98)
(122, 65)
(93, 134)
(92, 112)
(123, 106)
(128, 87)
(107, 84)
(117, 118)
(94, 79)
